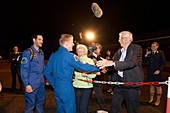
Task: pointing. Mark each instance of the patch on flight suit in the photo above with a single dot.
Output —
(24, 60)
(35, 56)
(76, 57)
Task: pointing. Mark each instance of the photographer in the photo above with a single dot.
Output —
(95, 54)
(156, 61)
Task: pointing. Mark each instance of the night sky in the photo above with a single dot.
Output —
(22, 18)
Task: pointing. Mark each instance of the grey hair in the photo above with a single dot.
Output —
(127, 32)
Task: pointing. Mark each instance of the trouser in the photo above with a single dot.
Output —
(35, 99)
(15, 72)
(82, 99)
(98, 92)
(65, 97)
(111, 79)
(131, 97)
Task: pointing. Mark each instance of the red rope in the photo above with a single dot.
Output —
(125, 83)
(141, 83)
(91, 81)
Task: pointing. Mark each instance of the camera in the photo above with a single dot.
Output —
(149, 49)
(91, 49)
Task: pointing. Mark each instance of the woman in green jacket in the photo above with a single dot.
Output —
(83, 86)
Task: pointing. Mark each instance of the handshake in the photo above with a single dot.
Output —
(104, 63)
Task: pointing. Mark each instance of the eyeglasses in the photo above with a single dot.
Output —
(122, 38)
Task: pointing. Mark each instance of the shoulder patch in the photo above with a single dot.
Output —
(34, 56)
(24, 60)
(76, 57)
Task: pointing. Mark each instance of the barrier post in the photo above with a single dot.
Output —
(168, 97)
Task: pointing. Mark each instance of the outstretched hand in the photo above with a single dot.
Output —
(104, 63)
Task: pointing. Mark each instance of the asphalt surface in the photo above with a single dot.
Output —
(13, 101)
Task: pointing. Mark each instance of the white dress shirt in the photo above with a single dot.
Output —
(122, 58)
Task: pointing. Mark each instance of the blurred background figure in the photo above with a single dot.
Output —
(97, 88)
(108, 55)
(110, 74)
(15, 67)
(0, 85)
(156, 60)
(0, 80)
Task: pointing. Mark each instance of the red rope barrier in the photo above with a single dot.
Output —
(90, 81)
(124, 83)
(141, 83)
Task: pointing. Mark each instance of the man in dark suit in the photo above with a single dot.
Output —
(127, 62)
(15, 67)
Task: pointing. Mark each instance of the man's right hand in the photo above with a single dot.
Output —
(28, 89)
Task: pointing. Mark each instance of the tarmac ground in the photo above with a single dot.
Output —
(13, 101)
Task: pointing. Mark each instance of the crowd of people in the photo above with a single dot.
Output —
(71, 74)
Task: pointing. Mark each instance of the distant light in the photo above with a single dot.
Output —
(90, 35)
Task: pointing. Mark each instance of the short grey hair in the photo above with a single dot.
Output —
(127, 32)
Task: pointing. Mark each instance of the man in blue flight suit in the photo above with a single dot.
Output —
(32, 76)
(59, 71)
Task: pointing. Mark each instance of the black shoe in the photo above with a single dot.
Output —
(150, 103)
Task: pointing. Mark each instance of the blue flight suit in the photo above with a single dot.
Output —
(59, 71)
(32, 74)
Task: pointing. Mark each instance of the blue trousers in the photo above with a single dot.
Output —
(35, 99)
(65, 97)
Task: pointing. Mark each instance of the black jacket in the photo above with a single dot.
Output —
(15, 58)
(131, 66)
